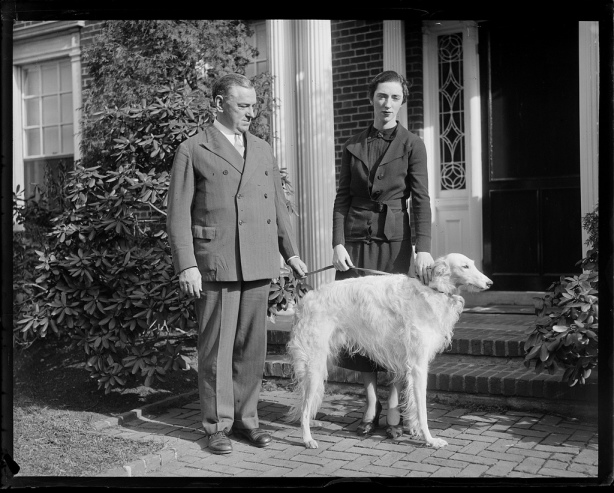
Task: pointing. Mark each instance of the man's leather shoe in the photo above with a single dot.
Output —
(256, 436)
(219, 443)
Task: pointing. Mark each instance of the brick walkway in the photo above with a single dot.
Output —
(480, 445)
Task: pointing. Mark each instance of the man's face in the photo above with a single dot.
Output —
(237, 109)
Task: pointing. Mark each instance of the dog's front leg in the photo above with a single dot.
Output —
(307, 438)
(420, 375)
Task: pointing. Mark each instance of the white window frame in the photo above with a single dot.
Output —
(40, 43)
(41, 125)
(262, 51)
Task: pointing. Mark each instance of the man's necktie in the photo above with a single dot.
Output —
(239, 145)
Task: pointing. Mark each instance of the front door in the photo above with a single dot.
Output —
(531, 154)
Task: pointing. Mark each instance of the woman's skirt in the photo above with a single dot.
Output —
(392, 257)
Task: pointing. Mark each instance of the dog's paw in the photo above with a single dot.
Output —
(311, 443)
(437, 443)
(413, 432)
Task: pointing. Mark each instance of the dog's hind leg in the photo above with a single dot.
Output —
(420, 375)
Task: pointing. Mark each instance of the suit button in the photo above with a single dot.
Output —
(268, 221)
(239, 196)
(240, 222)
(266, 173)
(379, 177)
(266, 196)
(225, 172)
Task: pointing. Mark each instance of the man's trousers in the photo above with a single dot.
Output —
(231, 352)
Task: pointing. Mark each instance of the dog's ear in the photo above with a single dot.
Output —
(441, 268)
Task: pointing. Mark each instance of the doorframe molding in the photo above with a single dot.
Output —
(467, 203)
(588, 60)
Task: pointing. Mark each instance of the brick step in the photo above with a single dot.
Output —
(492, 380)
(484, 363)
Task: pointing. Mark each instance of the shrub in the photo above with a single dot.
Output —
(285, 291)
(565, 334)
(104, 276)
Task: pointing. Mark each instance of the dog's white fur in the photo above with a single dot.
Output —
(394, 319)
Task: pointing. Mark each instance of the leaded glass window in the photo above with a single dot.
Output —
(451, 112)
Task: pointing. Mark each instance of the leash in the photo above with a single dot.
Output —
(368, 271)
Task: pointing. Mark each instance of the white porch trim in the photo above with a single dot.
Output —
(589, 118)
(301, 62)
(457, 214)
(394, 55)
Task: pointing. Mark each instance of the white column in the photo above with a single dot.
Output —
(316, 151)
(75, 59)
(394, 55)
(589, 118)
(282, 67)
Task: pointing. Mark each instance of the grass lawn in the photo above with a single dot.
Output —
(55, 403)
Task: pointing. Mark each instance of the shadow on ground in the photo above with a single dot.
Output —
(51, 375)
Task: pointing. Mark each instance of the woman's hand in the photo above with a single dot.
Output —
(341, 258)
(423, 264)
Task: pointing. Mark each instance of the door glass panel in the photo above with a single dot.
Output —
(535, 97)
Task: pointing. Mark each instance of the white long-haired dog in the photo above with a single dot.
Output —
(394, 319)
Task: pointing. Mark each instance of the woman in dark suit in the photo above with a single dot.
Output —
(382, 167)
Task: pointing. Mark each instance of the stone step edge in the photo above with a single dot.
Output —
(485, 380)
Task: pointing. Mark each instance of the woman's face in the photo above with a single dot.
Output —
(387, 101)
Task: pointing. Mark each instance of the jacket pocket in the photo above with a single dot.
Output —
(203, 232)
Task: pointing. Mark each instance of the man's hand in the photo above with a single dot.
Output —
(341, 258)
(190, 282)
(299, 267)
(423, 265)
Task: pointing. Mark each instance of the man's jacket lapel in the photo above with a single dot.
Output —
(253, 157)
(219, 145)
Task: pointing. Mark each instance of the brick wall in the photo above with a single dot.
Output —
(357, 55)
(413, 67)
(91, 29)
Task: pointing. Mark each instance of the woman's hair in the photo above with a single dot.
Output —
(389, 76)
(222, 85)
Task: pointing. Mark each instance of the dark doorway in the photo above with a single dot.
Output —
(531, 153)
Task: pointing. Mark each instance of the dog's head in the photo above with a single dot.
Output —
(455, 272)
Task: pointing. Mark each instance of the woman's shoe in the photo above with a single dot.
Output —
(367, 427)
(395, 431)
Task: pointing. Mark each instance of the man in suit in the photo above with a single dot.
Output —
(227, 224)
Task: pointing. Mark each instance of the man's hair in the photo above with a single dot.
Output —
(389, 76)
(222, 85)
